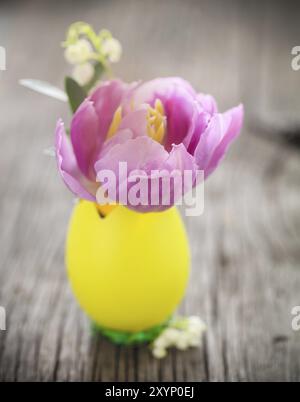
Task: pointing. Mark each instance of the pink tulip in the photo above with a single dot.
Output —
(159, 125)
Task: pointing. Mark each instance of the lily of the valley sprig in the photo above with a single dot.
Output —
(90, 53)
(181, 333)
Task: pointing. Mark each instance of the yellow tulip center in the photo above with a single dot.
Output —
(116, 121)
(156, 127)
(156, 121)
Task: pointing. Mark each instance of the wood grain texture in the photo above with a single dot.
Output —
(245, 247)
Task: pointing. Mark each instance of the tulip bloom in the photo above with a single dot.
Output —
(159, 125)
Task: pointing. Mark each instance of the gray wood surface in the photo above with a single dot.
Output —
(245, 247)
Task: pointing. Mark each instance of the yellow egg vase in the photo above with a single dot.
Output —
(128, 270)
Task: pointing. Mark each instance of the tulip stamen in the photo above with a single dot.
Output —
(116, 121)
(132, 105)
(156, 121)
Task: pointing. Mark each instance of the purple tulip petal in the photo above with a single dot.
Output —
(178, 98)
(85, 137)
(173, 169)
(196, 138)
(139, 153)
(179, 111)
(237, 116)
(210, 138)
(136, 122)
(107, 98)
(198, 125)
(221, 131)
(152, 161)
(68, 167)
(180, 159)
(208, 103)
(148, 91)
(120, 137)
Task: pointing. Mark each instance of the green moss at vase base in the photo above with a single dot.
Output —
(129, 338)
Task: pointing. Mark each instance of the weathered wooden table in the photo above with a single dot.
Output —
(245, 247)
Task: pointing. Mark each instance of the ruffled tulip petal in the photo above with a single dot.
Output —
(208, 103)
(236, 121)
(120, 137)
(173, 169)
(181, 160)
(85, 137)
(107, 98)
(68, 168)
(136, 122)
(178, 99)
(147, 91)
(221, 131)
(160, 130)
(198, 125)
(146, 156)
(139, 153)
(179, 111)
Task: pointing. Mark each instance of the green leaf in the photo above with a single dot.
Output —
(75, 92)
(130, 338)
(44, 88)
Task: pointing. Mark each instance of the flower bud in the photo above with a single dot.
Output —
(182, 342)
(159, 353)
(171, 335)
(83, 73)
(112, 49)
(79, 52)
(161, 342)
